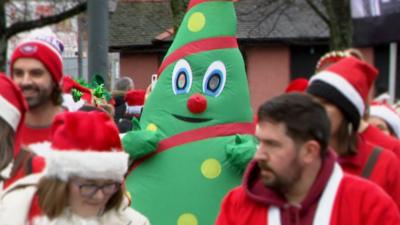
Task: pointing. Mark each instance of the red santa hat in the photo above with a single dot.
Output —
(387, 114)
(68, 84)
(84, 144)
(299, 84)
(134, 102)
(46, 49)
(345, 84)
(13, 106)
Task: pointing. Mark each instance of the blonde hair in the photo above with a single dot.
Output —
(334, 56)
(355, 53)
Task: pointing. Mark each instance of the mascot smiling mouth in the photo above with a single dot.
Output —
(191, 119)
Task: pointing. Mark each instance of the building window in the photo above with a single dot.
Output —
(303, 60)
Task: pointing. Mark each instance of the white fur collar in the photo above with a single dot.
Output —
(65, 219)
(15, 204)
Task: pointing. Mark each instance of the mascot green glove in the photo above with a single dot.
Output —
(196, 128)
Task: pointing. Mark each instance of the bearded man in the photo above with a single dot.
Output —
(36, 67)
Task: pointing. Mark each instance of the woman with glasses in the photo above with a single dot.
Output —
(82, 182)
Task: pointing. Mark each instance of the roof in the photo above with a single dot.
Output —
(278, 19)
(137, 24)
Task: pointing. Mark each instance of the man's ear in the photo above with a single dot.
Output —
(311, 151)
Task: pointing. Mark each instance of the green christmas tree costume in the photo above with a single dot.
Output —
(196, 127)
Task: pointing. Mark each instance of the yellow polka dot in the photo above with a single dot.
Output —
(197, 21)
(151, 127)
(187, 219)
(211, 168)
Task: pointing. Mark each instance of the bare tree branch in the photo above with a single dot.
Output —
(27, 25)
(157, 23)
(279, 8)
(275, 23)
(2, 19)
(178, 8)
(263, 4)
(318, 11)
(13, 6)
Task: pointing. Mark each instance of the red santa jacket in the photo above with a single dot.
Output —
(334, 199)
(385, 172)
(26, 163)
(375, 136)
(34, 135)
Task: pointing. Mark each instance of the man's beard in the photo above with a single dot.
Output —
(42, 97)
(283, 183)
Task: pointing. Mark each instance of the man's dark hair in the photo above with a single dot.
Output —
(304, 118)
(90, 108)
(56, 95)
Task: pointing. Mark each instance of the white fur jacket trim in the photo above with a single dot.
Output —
(15, 205)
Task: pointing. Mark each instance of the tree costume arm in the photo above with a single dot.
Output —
(241, 151)
(138, 143)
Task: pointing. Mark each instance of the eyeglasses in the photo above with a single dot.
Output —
(89, 190)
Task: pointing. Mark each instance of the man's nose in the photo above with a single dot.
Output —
(26, 78)
(261, 154)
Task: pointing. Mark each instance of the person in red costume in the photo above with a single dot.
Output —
(36, 67)
(295, 179)
(376, 136)
(12, 115)
(83, 182)
(298, 84)
(385, 118)
(342, 88)
(366, 131)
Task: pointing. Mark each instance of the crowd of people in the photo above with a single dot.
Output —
(326, 154)
(58, 166)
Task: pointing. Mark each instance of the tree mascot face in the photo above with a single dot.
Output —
(202, 79)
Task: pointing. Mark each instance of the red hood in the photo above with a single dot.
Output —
(256, 191)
